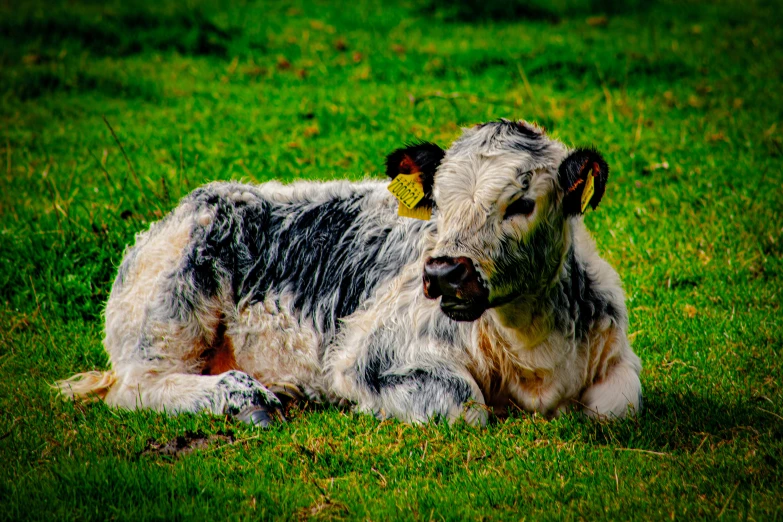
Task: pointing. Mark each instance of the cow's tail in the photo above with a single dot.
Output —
(89, 386)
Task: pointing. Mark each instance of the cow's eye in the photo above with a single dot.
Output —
(522, 206)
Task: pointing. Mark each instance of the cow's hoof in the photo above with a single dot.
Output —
(287, 393)
(475, 414)
(260, 417)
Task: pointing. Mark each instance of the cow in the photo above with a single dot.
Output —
(246, 296)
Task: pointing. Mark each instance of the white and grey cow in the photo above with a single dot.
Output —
(248, 294)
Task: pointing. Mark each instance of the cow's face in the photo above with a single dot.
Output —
(503, 192)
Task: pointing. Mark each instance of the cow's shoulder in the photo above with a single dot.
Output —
(590, 292)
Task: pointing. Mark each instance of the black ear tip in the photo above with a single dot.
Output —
(589, 152)
(423, 155)
(393, 161)
(598, 158)
(425, 150)
(584, 156)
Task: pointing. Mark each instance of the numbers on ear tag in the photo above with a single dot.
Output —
(407, 189)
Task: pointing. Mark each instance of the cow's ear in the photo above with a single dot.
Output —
(582, 175)
(419, 158)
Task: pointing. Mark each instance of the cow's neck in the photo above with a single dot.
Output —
(528, 321)
(525, 322)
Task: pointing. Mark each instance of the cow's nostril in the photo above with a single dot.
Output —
(431, 286)
(456, 280)
(445, 270)
(450, 276)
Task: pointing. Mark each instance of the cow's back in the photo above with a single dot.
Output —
(323, 247)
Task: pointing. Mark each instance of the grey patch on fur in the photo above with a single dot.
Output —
(429, 389)
(577, 302)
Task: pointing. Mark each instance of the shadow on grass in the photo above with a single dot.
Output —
(682, 421)
(538, 10)
(122, 34)
(673, 422)
(35, 83)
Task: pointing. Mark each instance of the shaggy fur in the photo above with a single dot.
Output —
(245, 294)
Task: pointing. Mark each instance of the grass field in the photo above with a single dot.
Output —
(684, 99)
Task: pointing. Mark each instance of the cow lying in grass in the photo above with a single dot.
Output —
(247, 294)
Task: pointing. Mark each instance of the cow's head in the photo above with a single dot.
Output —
(504, 193)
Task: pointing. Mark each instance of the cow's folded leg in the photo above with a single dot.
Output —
(618, 394)
(233, 392)
(422, 395)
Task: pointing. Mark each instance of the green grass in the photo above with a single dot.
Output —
(265, 91)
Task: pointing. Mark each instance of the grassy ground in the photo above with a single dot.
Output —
(685, 101)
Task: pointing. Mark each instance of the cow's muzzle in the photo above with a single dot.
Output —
(457, 282)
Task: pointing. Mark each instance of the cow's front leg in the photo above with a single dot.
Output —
(401, 357)
(388, 374)
(233, 392)
(418, 395)
(432, 394)
(618, 393)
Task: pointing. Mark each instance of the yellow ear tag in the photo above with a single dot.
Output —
(588, 192)
(409, 192)
(424, 212)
